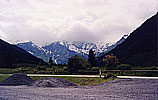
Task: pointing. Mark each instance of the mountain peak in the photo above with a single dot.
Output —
(26, 41)
(140, 48)
(60, 51)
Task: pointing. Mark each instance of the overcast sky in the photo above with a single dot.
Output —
(45, 21)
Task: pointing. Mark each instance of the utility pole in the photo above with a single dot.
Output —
(100, 73)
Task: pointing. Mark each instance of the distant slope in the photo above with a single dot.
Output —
(33, 49)
(140, 48)
(113, 46)
(60, 51)
(11, 55)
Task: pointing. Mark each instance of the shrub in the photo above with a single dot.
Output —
(76, 63)
(124, 67)
(110, 61)
(95, 68)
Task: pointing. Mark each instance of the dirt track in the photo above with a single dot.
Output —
(120, 89)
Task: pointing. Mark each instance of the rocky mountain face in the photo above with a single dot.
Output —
(113, 46)
(60, 51)
(140, 47)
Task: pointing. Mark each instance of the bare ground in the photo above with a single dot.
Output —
(119, 89)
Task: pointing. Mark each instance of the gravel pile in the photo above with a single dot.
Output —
(53, 82)
(17, 79)
(119, 89)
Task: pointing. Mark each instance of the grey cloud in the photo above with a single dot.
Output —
(82, 20)
(79, 33)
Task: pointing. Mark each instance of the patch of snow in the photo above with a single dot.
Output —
(30, 52)
(50, 52)
(55, 60)
(20, 41)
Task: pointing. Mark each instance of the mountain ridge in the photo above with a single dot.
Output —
(11, 55)
(60, 51)
(140, 47)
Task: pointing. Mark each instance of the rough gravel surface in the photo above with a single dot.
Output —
(119, 89)
(17, 79)
(53, 82)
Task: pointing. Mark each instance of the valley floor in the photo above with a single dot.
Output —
(119, 89)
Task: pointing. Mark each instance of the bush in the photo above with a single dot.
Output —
(76, 63)
(124, 67)
(111, 62)
(39, 68)
(95, 68)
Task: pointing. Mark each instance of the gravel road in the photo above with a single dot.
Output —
(119, 89)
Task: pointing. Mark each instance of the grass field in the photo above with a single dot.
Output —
(81, 81)
(4, 76)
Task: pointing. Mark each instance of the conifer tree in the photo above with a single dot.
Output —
(91, 58)
(50, 61)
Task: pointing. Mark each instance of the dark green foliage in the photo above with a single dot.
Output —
(50, 60)
(39, 68)
(95, 68)
(77, 63)
(140, 48)
(124, 67)
(111, 62)
(91, 58)
(11, 55)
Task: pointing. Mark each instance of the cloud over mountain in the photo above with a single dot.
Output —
(44, 21)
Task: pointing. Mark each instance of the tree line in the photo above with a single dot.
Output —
(76, 63)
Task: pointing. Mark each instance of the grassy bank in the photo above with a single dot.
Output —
(4, 76)
(57, 70)
(78, 80)
(81, 81)
(135, 73)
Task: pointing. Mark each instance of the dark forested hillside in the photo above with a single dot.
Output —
(140, 48)
(10, 55)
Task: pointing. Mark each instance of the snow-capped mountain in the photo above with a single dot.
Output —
(110, 47)
(60, 51)
(84, 47)
(32, 48)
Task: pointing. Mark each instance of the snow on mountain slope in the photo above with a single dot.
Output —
(33, 49)
(84, 47)
(112, 46)
(60, 51)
